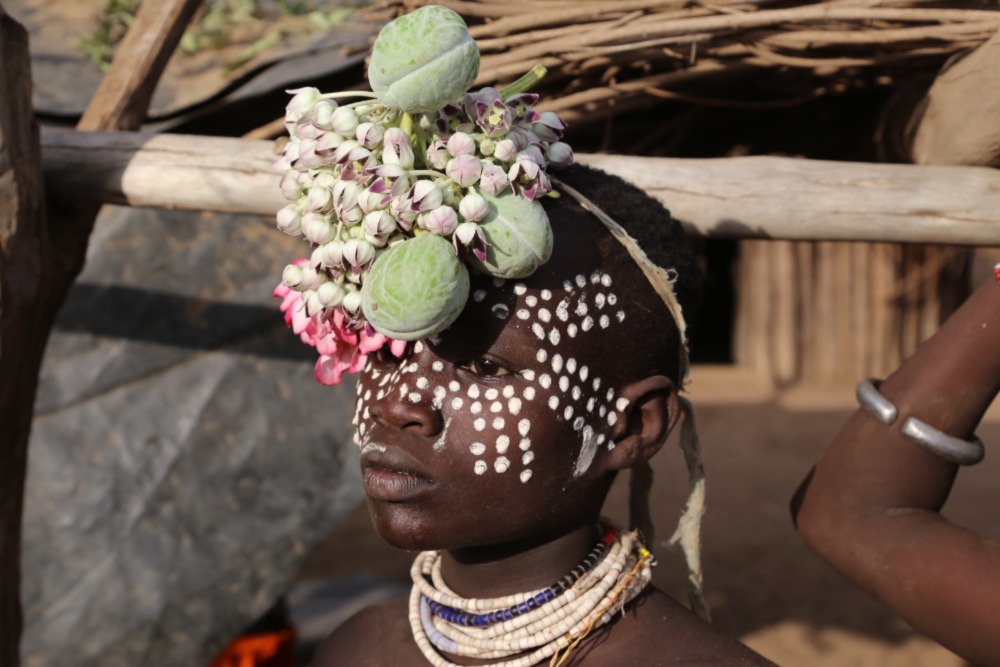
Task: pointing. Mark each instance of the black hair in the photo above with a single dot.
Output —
(647, 221)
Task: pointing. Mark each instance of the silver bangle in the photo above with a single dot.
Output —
(949, 448)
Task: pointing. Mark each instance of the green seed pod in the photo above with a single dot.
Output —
(415, 289)
(423, 60)
(519, 236)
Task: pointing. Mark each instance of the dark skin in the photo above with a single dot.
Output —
(871, 505)
(435, 479)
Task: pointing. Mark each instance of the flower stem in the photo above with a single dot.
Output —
(525, 83)
(426, 172)
(348, 93)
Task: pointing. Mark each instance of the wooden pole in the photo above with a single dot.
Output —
(748, 198)
(22, 248)
(41, 256)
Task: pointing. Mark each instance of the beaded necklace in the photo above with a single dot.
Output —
(539, 624)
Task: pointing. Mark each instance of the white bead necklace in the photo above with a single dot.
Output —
(540, 632)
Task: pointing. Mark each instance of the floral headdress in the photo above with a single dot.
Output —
(399, 191)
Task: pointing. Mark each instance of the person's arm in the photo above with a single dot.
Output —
(870, 506)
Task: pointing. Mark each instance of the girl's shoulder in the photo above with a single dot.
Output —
(657, 630)
(373, 637)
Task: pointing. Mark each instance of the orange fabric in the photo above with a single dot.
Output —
(274, 649)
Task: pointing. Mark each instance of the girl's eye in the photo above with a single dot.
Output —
(487, 367)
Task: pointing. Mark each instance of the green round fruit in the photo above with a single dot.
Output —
(423, 60)
(519, 236)
(415, 289)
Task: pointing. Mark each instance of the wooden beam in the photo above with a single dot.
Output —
(22, 247)
(747, 198)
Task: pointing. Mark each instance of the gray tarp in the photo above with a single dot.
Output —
(183, 460)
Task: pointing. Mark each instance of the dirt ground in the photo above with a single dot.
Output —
(763, 585)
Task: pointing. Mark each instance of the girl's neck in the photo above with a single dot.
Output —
(488, 572)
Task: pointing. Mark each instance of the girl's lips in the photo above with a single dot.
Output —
(391, 475)
(393, 485)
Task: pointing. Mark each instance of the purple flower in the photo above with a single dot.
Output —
(358, 254)
(437, 154)
(494, 179)
(396, 148)
(425, 196)
(402, 211)
(378, 226)
(469, 236)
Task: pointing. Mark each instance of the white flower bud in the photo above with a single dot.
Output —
(332, 254)
(441, 221)
(473, 207)
(302, 102)
(352, 302)
(369, 135)
(426, 195)
(396, 148)
(292, 276)
(506, 150)
(344, 121)
(461, 143)
(487, 145)
(290, 220)
(311, 279)
(357, 253)
(291, 188)
(464, 170)
(313, 304)
(322, 114)
(319, 200)
(330, 294)
(560, 154)
(317, 228)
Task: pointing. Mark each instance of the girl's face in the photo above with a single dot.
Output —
(494, 432)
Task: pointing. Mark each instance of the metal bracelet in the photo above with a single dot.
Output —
(949, 448)
(877, 405)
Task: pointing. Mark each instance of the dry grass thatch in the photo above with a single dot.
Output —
(612, 55)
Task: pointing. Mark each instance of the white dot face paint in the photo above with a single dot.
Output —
(491, 394)
(476, 408)
(525, 476)
(528, 375)
(529, 393)
(496, 406)
(557, 363)
(537, 329)
(571, 330)
(563, 384)
(621, 403)
(477, 448)
(456, 403)
(541, 355)
(544, 315)
(527, 458)
(571, 365)
(454, 386)
(479, 424)
(524, 445)
(498, 423)
(508, 391)
(546, 294)
(503, 442)
(478, 295)
(531, 300)
(520, 289)
(500, 311)
(437, 366)
(581, 281)
(501, 464)
(553, 402)
(554, 336)
(604, 321)
(514, 406)
(473, 391)
(523, 427)
(480, 467)
(522, 314)
(423, 383)
(606, 280)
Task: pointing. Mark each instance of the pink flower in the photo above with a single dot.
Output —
(343, 347)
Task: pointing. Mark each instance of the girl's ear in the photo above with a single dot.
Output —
(646, 416)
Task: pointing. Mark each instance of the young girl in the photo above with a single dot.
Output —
(515, 356)
(871, 505)
(495, 444)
